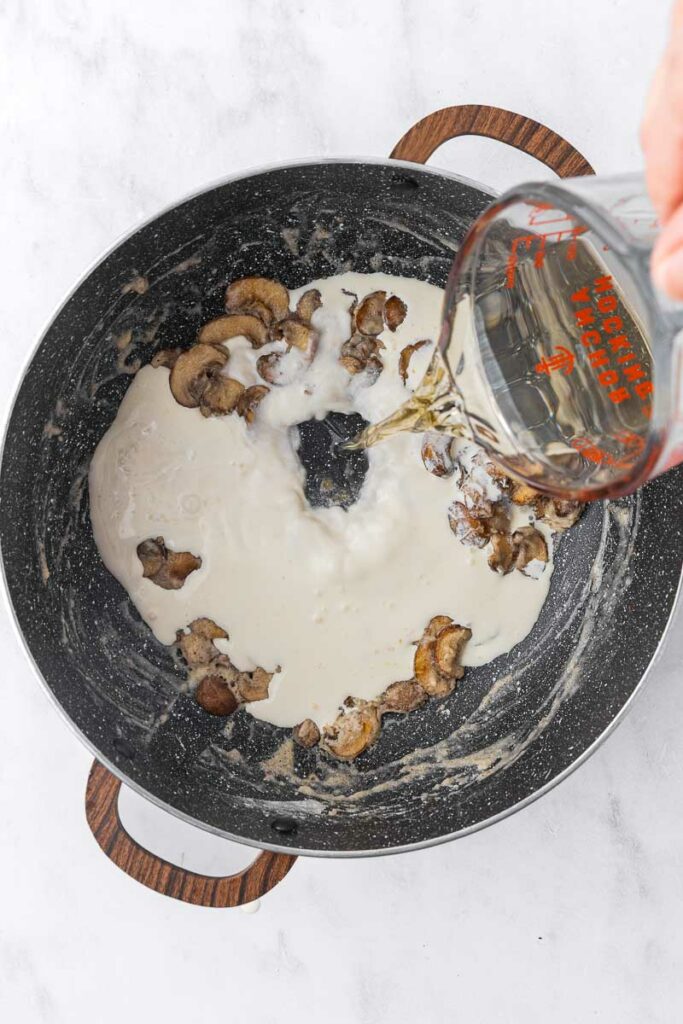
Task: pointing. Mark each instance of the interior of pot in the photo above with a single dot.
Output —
(512, 726)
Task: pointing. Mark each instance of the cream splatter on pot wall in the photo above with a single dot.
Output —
(334, 598)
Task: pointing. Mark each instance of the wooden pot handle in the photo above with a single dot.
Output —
(418, 144)
(102, 813)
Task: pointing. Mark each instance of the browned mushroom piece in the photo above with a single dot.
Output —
(368, 315)
(437, 654)
(152, 553)
(469, 530)
(352, 732)
(279, 368)
(406, 355)
(268, 367)
(195, 648)
(308, 303)
(359, 353)
(258, 295)
(395, 311)
(529, 546)
(436, 454)
(167, 569)
(448, 647)
(351, 364)
(493, 513)
(235, 325)
(427, 673)
(361, 347)
(262, 312)
(435, 625)
(306, 734)
(221, 664)
(502, 556)
(221, 396)
(208, 629)
(402, 697)
(499, 476)
(474, 525)
(558, 514)
(523, 494)
(193, 371)
(166, 357)
(249, 401)
(215, 696)
(296, 334)
(254, 685)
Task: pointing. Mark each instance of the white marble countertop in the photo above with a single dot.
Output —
(569, 910)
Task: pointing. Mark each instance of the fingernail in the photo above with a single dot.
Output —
(667, 274)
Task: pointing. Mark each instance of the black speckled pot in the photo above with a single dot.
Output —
(513, 727)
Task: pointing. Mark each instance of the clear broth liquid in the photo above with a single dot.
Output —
(547, 366)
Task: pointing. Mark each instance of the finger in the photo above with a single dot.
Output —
(662, 139)
(662, 127)
(667, 257)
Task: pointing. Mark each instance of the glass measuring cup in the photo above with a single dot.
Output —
(567, 363)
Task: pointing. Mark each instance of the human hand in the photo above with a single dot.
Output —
(662, 141)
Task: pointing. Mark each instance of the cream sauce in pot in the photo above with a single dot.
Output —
(335, 599)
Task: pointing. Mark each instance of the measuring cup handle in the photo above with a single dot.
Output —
(102, 813)
(532, 137)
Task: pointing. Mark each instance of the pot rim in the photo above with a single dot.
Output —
(85, 740)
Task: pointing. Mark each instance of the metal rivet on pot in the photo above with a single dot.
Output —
(285, 826)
